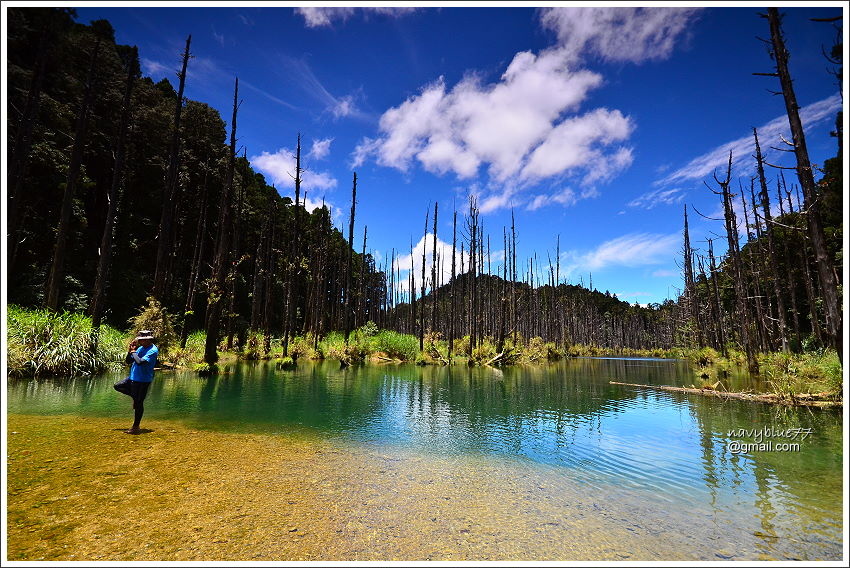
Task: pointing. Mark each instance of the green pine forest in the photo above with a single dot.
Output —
(127, 201)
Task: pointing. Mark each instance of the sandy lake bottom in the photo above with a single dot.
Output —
(81, 489)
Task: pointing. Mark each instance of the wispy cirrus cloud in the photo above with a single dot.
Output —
(630, 251)
(318, 17)
(665, 273)
(529, 125)
(218, 37)
(155, 69)
(300, 73)
(659, 196)
(743, 148)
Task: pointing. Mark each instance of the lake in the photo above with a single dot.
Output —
(727, 479)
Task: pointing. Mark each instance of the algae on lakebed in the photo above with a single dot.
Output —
(81, 489)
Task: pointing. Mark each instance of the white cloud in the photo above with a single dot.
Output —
(218, 37)
(619, 34)
(155, 68)
(666, 273)
(407, 262)
(565, 197)
(280, 166)
(743, 148)
(513, 126)
(300, 74)
(344, 106)
(320, 149)
(311, 204)
(494, 201)
(575, 143)
(635, 249)
(317, 17)
(659, 196)
(528, 126)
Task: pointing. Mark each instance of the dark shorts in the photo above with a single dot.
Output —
(135, 389)
(139, 390)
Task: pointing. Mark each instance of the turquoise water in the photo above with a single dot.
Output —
(666, 453)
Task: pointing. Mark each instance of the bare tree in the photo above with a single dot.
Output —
(164, 247)
(826, 274)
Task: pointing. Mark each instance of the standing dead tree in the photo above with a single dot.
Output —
(348, 269)
(222, 251)
(745, 324)
(163, 251)
(104, 262)
(57, 267)
(826, 274)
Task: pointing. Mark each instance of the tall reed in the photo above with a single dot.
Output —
(42, 342)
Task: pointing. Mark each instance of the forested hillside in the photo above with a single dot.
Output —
(284, 260)
(120, 188)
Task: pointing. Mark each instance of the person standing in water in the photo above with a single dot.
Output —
(142, 358)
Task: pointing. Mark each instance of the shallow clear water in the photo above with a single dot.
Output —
(656, 454)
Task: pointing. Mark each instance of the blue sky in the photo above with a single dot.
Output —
(592, 124)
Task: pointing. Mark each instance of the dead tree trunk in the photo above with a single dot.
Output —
(778, 284)
(434, 285)
(21, 148)
(348, 267)
(738, 276)
(222, 250)
(197, 257)
(103, 265)
(57, 267)
(452, 291)
(163, 250)
(826, 274)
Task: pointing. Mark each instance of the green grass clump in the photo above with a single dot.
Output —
(192, 353)
(791, 374)
(483, 353)
(536, 351)
(332, 346)
(301, 347)
(155, 317)
(253, 347)
(704, 357)
(43, 342)
(462, 346)
(582, 350)
(395, 345)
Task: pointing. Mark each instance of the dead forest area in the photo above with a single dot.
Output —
(120, 189)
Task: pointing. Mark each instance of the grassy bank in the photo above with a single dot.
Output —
(41, 342)
(787, 375)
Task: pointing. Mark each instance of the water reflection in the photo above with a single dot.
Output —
(635, 444)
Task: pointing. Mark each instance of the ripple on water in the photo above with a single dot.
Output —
(662, 457)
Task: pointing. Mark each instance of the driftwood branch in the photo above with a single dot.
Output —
(794, 400)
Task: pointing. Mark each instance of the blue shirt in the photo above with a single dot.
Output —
(143, 372)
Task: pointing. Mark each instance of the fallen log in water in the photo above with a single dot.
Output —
(793, 400)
